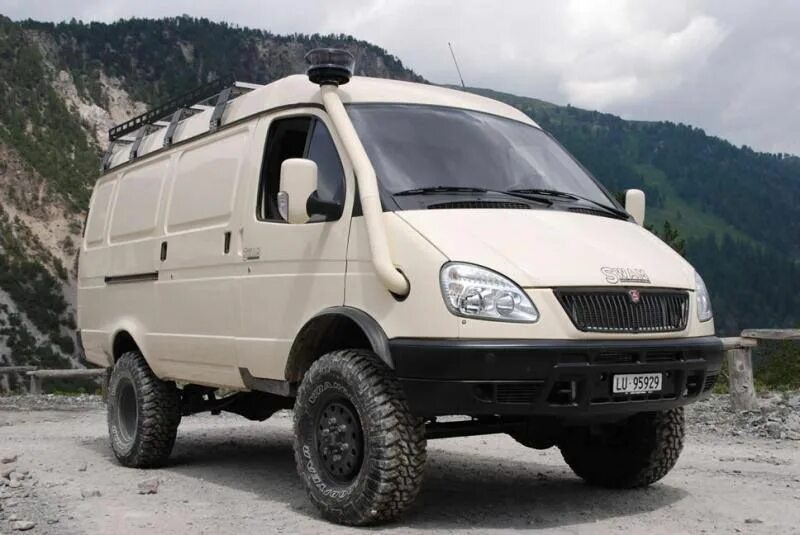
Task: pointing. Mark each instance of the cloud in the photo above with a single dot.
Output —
(732, 68)
(637, 63)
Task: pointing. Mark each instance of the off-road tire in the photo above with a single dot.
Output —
(144, 440)
(631, 454)
(393, 440)
(531, 435)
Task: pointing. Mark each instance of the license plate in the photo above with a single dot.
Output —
(637, 383)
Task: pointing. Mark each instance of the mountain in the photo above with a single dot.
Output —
(63, 85)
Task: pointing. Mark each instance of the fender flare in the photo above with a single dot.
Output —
(373, 331)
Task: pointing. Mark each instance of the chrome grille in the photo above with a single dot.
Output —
(614, 310)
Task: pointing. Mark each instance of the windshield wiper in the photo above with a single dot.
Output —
(572, 196)
(468, 189)
(546, 193)
(441, 189)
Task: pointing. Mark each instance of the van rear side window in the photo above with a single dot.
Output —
(299, 137)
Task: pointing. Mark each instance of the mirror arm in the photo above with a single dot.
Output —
(332, 210)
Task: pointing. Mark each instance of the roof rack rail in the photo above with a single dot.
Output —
(195, 96)
(170, 113)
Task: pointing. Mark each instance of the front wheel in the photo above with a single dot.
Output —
(358, 448)
(634, 453)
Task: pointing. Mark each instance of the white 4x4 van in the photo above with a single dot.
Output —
(378, 255)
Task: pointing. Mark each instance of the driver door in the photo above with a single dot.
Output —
(292, 271)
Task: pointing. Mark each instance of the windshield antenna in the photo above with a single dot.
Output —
(456, 62)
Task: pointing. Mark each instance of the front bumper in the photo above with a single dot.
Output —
(562, 378)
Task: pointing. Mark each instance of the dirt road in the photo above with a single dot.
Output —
(232, 476)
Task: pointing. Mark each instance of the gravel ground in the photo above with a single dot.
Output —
(737, 474)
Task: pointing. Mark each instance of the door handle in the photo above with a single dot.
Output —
(163, 251)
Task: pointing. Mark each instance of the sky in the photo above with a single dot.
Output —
(729, 67)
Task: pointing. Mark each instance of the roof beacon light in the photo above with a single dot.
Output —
(330, 66)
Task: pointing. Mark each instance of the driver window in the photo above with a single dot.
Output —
(299, 137)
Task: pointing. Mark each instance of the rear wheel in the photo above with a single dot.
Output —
(359, 450)
(634, 453)
(143, 413)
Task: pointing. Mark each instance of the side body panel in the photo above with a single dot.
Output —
(120, 245)
(196, 299)
(93, 267)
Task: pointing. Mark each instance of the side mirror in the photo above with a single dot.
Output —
(298, 182)
(634, 204)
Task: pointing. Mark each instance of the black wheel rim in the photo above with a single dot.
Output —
(127, 410)
(340, 440)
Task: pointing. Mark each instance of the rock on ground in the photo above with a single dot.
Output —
(778, 416)
(148, 486)
(22, 525)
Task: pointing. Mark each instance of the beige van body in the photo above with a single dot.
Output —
(206, 314)
(258, 245)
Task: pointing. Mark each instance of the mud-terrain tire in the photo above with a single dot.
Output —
(358, 448)
(143, 413)
(634, 453)
(531, 435)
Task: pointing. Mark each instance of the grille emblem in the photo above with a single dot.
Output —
(635, 296)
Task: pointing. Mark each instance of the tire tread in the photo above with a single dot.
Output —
(397, 439)
(652, 444)
(159, 414)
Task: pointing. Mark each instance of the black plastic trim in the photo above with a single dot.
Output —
(369, 325)
(457, 376)
(132, 277)
(272, 386)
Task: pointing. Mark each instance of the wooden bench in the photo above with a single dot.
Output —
(740, 363)
(37, 376)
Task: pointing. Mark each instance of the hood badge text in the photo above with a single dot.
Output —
(618, 275)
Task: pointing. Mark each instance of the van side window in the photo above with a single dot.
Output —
(286, 139)
(299, 137)
(330, 173)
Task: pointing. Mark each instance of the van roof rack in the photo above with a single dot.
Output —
(213, 95)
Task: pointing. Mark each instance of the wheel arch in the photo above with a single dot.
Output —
(122, 342)
(332, 329)
(128, 336)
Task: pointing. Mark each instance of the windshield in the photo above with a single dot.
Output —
(415, 146)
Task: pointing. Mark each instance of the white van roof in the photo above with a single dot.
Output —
(298, 90)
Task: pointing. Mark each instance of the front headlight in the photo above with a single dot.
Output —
(472, 291)
(704, 312)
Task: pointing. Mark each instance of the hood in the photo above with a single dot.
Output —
(550, 248)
